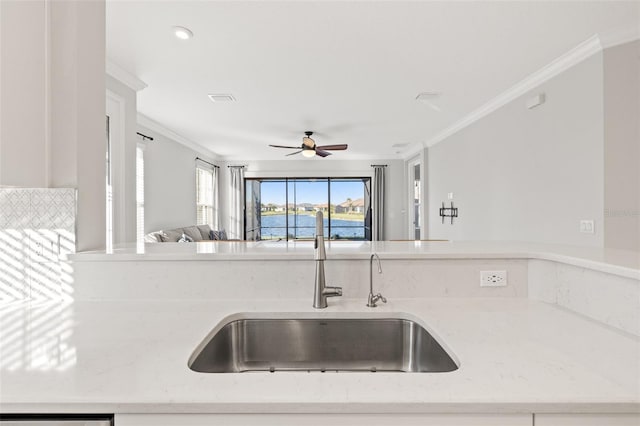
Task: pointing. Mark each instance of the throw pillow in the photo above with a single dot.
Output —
(185, 239)
(193, 232)
(171, 235)
(205, 231)
(153, 237)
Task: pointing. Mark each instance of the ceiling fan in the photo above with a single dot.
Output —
(310, 149)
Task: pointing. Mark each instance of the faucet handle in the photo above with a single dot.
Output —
(373, 300)
(332, 291)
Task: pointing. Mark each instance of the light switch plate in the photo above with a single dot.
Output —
(587, 227)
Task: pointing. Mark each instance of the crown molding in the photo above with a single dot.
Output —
(150, 124)
(573, 57)
(619, 36)
(124, 76)
(412, 151)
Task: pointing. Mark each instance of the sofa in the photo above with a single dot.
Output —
(187, 234)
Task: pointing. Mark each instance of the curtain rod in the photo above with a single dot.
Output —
(378, 165)
(205, 161)
(144, 136)
(241, 166)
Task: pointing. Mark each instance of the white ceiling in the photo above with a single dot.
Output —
(350, 71)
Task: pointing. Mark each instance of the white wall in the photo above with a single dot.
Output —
(531, 175)
(169, 183)
(395, 214)
(622, 146)
(123, 161)
(23, 132)
(80, 83)
(52, 104)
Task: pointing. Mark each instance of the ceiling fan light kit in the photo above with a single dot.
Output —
(310, 149)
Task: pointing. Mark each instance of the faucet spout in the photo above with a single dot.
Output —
(321, 290)
(372, 300)
(319, 251)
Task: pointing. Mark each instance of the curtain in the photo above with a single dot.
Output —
(236, 202)
(378, 202)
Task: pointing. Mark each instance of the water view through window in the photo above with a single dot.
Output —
(285, 209)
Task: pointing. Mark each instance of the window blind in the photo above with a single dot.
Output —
(204, 194)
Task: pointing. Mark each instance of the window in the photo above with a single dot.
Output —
(205, 195)
(286, 208)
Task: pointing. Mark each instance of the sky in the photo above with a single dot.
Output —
(314, 192)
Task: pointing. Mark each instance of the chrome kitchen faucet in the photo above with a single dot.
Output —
(321, 291)
(373, 299)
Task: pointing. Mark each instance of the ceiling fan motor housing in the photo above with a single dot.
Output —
(308, 143)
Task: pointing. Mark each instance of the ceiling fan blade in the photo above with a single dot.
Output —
(322, 153)
(283, 146)
(294, 153)
(333, 147)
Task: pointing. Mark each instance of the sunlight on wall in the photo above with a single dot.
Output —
(37, 339)
(36, 227)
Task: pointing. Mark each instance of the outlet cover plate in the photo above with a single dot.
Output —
(493, 278)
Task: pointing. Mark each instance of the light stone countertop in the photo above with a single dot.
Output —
(618, 262)
(516, 356)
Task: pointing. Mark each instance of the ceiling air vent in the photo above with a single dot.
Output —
(222, 98)
(428, 96)
(429, 99)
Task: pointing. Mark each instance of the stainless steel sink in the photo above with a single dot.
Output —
(391, 345)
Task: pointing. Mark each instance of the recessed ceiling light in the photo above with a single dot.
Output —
(182, 33)
(223, 97)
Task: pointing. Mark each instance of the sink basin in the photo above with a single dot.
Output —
(313, 344)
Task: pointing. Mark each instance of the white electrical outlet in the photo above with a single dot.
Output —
(493, 278)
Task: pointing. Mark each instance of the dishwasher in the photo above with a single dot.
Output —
(55, 420)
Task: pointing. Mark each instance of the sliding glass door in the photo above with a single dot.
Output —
(285, 209)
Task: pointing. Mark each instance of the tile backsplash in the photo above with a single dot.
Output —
(37, 225)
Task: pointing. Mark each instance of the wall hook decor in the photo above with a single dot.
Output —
(448, 212)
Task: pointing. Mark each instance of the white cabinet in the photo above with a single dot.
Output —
(52, 422)
(587, 419)
(323, 419)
